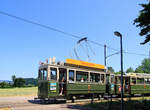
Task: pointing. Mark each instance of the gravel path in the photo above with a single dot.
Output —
(28, 103)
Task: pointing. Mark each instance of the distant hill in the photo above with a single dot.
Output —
(28, 81)
(8, 81)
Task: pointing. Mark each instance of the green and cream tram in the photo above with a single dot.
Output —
(133, 83)
(80, 79)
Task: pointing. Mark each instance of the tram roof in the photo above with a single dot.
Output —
(138, 75)
(84, 64)
(76, 63)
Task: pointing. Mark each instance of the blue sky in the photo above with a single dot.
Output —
(23, 45)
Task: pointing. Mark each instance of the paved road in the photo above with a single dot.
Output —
(28, 103)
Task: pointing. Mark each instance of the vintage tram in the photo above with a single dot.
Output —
(80, 79)
(75, 79)
(133, 83)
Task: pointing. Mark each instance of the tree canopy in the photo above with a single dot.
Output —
(143, 21)
(130, 70)
(119, 72)
(139, 70)
(19, 82)
(144, 67)
(30, 81)
(111, 69)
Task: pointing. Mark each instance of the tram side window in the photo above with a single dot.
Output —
(140, 80)
(118, 80)
(94, 77)
(40, 77)
(112, 78)
(45, 74)
(107, 78)
(133, 81)
(147, 80)
(71, 75)
(53, 73)
(82, 76)
(102, 78)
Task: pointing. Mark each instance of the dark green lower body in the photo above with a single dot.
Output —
(51, 89)
(86, 90)
(133, 89)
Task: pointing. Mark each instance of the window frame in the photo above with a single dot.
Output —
(55, 72)
(102, 81)
(134, 80)
(71, 70)
(45, 72)
(94, 74)
(140, 80)
(87, 79)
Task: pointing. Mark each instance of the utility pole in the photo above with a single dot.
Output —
(105, 55)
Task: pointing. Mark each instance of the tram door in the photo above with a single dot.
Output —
(107, 83)
(62, 80)
(127, 84)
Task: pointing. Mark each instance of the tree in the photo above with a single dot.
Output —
(19, 82)
(30, 81)
(111, 69)
(139, 70)
(5, 84)
(144, 67)
(130, 70)
(143, 21)
(119, 72)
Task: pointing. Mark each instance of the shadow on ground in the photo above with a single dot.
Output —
(77, 107)
(69, 106)
(116, 105)
(43, 102)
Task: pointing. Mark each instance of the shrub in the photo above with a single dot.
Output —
(5, 85)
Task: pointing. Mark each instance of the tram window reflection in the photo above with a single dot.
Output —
(112, 78)
(147, 80)
(94, 77)
(40, 77)
(133, 81)
(45, 74)
(102, 78)
(140, 80)
(107, 78)
(81, 76)
(71, 75)
(53, 73)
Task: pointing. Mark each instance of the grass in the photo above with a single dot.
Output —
(25, 91)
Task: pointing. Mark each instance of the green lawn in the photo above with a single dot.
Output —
(27, 91)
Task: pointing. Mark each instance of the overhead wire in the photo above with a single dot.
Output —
(135, 53)
(60, 31)
(39, 24)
